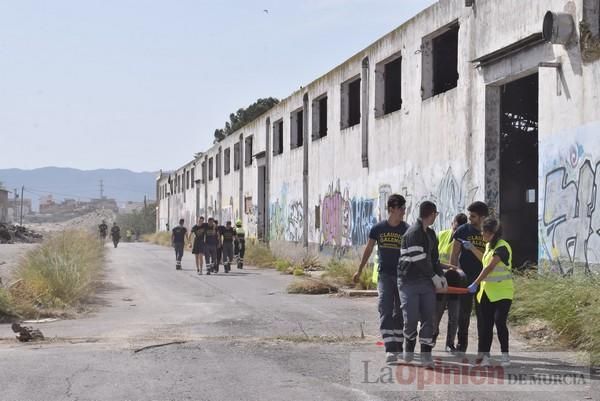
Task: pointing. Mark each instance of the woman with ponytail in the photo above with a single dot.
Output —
(496, 290)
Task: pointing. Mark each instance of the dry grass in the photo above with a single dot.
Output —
(259, 255)
(340, 273)
(570, 305)
(310, 286)
(160, 238)
(59, 274)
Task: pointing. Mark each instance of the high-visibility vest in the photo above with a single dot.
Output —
(375, 276)
(240, 233)
(445, 245)
(498, 284)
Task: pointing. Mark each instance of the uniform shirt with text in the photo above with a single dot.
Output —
(389, 240)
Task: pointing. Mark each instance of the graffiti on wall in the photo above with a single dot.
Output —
(336, 213)
(286, 218)
(569, 227)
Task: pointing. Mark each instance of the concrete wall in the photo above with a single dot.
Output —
(443, 148)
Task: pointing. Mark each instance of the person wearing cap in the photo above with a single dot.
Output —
(419, 275)
(240, 244)
(387, 236)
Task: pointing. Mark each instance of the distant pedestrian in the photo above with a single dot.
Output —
(103, 230)
(211, 243)
(239, 244)
(178, 238)
(115, 234)
(387, 236)
(496, 290)
(468, 262)
(199, 231)
(419, 275)
(220, 246)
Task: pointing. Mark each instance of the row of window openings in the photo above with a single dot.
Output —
(214, 163)
(440, 74)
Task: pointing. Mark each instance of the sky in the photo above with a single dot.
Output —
(142, 84)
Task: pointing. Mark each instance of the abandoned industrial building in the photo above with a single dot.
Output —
(469, 100)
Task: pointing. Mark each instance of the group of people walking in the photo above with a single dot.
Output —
(212, 244)
(415, 268)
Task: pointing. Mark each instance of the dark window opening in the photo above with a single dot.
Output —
(319, 117)
(187, 180)
(278, 137)
(354, 103)
(248, 151)
(204, 172)
(227, 161)
(297, 129)
(440, 62)
(236, 156)
(393, 86)
(193, 169)
(210, 169)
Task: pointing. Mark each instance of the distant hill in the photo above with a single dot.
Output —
(62, 183)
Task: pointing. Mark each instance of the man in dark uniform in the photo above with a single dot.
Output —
(212, 242)
(178, 237)
(387, 234)
(227, 233)
(199, 231)
(468, 262)
(103, 229)
(115, 234)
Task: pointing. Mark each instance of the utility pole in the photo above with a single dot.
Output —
(16, 204)
(21, 220)
(101, 189)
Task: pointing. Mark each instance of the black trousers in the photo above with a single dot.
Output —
(464, 320)
(178, 251)
(490, 314)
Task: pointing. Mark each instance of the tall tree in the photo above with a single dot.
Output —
(243, 116)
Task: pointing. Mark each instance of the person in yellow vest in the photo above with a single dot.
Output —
(454, 277)
(496, 290)
(239, 244)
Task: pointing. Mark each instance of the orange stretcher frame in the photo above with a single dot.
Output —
(452, 290)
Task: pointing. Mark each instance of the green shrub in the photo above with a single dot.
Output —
(340, 272)
(282, 265)
(259, 255)
(60, 272)
(298, 271)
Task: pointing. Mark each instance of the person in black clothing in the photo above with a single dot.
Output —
(419, 275)
(115, 234)
(212, 242)
(220, 246)
(387, 235)
(103, 229)
(228, 234)
(178, 238)
(468, 262)
(199, 231)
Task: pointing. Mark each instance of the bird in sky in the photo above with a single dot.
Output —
(266, 11)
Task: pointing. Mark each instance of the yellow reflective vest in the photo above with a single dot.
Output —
(498, 284)
(445, 245)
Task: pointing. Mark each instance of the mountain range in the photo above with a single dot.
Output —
(69, 183)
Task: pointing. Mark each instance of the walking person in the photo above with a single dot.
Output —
(387, 235)
(115, 234)
(178, 238)
(419, 275)
(227, 235)
(220, 246)
(212, 241)
(103, 231)
(240, 244)
(468, 262)
(199, 231)
(496, 290)
(455, 278)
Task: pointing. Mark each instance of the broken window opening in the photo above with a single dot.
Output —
(278, 137)
(350, 96)
(204, 172)
(440, 62)
(297, 129)
(193, 169)
(210, 169)
(227, 161)
(187, 179)
(388, 85)
(236, 156)
(248, 151)
(319, 107)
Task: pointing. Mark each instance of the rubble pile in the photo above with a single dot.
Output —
(26, 334)
(11, 234)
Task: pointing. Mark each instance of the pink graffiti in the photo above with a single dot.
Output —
(336, 219)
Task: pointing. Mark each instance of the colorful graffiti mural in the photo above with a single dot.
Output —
(286, 218)
(569, 224)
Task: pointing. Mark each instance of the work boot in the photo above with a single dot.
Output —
(409, 350)
(390, 357)
(426, 358)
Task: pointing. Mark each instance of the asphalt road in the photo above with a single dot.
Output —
(233, 337)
